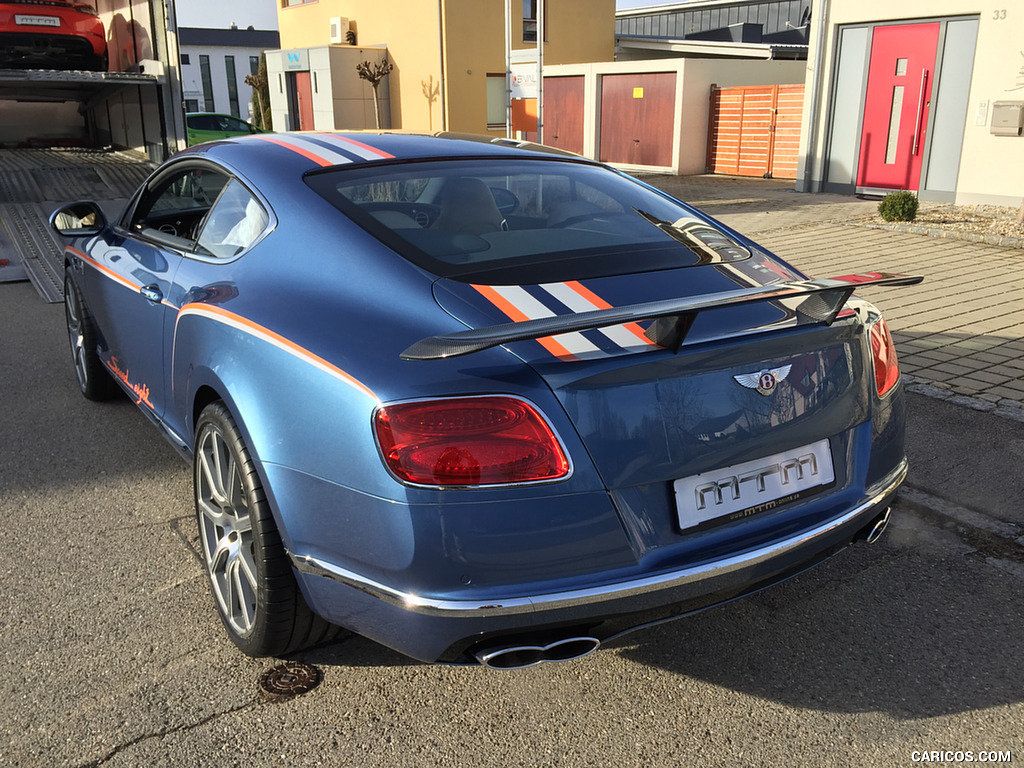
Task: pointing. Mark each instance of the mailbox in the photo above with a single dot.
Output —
(1007, 118)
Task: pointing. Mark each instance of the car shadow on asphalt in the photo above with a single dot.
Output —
(921, 625)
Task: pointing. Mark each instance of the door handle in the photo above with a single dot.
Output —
(920, 110)
(152, 293)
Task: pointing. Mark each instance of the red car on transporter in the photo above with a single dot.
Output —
(51, 34)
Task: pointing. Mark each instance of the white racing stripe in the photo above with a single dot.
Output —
(576, 343)
(313, 148)
(617, 334)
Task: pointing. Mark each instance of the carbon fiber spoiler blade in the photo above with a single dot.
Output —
(816, 301)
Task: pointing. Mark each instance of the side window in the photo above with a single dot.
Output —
(236, 222)
(202, 123)
(234, 124)
(173, 209)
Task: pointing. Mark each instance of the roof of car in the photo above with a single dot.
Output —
(325, 149)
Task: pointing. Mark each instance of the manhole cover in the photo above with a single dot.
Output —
(288, 680)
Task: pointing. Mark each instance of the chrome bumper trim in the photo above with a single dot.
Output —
(603, 593)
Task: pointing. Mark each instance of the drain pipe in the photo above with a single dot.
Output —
(441, 28)
(810, 158)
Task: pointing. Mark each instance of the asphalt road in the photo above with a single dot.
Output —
(112, 654)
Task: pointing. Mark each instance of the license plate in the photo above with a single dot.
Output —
(732, 493)
(37, 21)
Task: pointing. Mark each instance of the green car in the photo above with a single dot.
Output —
(207, 126)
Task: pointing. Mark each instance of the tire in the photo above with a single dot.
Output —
(94, 380)
(249, 572)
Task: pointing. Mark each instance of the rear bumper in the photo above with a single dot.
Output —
(428, 628)
(39, 44)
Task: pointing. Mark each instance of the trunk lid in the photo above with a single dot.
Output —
(746, 382)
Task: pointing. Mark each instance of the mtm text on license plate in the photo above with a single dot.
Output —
(731, 493)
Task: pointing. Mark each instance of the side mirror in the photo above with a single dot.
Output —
(78, 219)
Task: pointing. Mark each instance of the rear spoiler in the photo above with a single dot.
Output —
(817, 301)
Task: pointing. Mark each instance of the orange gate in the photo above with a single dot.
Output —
(755, 130)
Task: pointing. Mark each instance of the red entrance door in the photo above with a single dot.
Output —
(300, 99)
(899, 89)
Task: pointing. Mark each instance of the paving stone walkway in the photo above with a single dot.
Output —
(959, 334)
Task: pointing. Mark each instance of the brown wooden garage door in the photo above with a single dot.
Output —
(755, 130)
(563, 113)
(637, 118)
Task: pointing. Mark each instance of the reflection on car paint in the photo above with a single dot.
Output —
(221, 315)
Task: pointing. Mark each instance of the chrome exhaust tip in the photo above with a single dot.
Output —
(875, 529)
(523, 656)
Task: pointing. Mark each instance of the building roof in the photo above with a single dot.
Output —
(666, 46)
(229, 38)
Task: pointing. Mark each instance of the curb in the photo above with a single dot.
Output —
(991, 536)
(1001, 241)
(1007, 409)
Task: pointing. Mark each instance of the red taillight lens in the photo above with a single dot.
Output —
(469, 441)
(883, 352)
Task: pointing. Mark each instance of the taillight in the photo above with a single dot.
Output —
(493, 440)
(883, 353)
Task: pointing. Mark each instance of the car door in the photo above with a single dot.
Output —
(136, 269)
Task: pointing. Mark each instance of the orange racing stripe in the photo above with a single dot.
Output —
(304, 152)
(244, 324)
(597, 301)
(517, 316)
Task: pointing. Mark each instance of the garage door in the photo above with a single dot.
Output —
(755, 130)
(637, 118)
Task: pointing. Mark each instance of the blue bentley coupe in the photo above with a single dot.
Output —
(479, 403)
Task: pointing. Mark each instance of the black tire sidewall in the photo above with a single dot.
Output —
(98, 384)
(275, 583)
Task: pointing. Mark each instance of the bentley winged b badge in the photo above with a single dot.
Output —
(764, 381)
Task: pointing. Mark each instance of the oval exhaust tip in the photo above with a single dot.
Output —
(878, 528)
(523, 656)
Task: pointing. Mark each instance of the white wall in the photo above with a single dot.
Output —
(341, 99)
(192, 80)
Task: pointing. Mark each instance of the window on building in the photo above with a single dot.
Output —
(229, 66)
(530, 20)
(254, 65)
(204, 70)
(497, 101)
(191, 105)
(184, 59)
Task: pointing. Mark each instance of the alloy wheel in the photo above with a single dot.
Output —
(226, 530)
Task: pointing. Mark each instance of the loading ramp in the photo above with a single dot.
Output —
(35, 182)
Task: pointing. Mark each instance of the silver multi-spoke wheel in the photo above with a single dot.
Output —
(250, 575)
(226, 531)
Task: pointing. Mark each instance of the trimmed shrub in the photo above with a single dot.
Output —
(898, 206)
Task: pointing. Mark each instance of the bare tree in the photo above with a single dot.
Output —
(260, 95)
(373, 74)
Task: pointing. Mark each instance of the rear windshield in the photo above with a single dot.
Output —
(523, 220)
